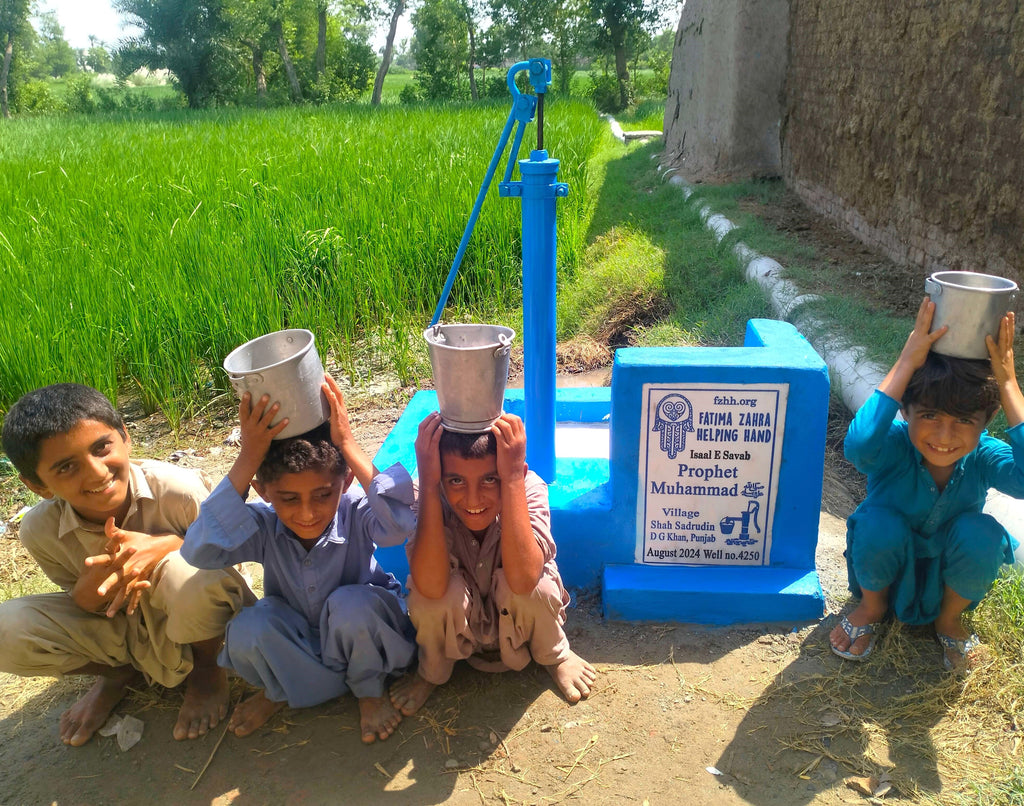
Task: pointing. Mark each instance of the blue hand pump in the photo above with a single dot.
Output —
(538, 190)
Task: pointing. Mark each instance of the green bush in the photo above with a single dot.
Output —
(79, 94)
(410, 94)
(604, 92)
(36, 97)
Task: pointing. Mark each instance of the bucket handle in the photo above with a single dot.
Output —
(438, 334)
(505, 348)
(241, 381)
(932, 288)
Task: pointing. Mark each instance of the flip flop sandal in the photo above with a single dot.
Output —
(853, 633)
(963, 646)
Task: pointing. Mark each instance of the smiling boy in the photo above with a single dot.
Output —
(919, 544)
(108, 534)
(332, 621)
(483, 576)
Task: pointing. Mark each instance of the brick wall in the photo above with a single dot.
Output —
(905, 120)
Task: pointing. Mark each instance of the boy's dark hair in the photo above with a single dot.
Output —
(47, 412)
(468, 446)
(957, 386)
(310, 451)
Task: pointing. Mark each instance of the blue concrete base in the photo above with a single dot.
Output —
(594, 501)
(710, 595)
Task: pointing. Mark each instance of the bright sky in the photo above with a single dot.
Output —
(82, 18)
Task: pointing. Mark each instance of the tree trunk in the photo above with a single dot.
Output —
(286, 60)
(5, 71)
(618, 34)
(473, 94)
(321, 41)
(389, 50)
(259, 73)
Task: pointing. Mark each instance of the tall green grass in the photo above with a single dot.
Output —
(137, 252)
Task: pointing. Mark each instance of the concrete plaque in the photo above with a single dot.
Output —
(709, 472)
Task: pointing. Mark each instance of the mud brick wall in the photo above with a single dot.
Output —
(905, 121)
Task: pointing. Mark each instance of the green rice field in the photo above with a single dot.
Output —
(137, 252)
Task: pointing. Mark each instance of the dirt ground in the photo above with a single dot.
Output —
(757, 714)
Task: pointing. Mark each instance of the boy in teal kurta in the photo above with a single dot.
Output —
(919, 543)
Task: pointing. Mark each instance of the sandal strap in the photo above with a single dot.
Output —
(962, 645)
(855, 632)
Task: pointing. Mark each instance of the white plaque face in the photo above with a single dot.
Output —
(709, 472)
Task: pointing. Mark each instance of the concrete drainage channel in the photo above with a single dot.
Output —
(854, 377)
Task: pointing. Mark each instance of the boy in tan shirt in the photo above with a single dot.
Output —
(108, 535)
(483, 579)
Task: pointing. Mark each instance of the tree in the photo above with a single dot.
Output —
(188, 37)
(618, 21)
(249, 23)
(397, 10)
(439, 48)
(13, 19)
(469, 14)
(97, 57)
(277, 30)
(55, 55)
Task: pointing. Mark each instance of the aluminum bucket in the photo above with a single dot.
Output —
(972, 304)
(286, 367)
(470, 365)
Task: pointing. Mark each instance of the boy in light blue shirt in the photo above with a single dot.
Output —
(919, 543)
(332, 620)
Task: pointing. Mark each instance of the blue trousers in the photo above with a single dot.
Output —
(363, 638)
(882, 551)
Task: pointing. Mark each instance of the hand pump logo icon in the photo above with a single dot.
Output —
(673, 417)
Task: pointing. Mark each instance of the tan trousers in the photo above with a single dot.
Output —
(529, 626)
(48, 634)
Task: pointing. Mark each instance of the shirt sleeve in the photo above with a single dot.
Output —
(540, 514)
(1004, 464)
(38, 534)
(228, 530)
(177, 496)
(385, 515)
(868, 444)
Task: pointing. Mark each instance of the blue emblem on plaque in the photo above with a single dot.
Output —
(673, 417)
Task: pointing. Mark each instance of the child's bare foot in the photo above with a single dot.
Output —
(206, 702)
(410, 693)
(252, 713)
(861, 616)
(377, 718)
(85, 717)
(574, 677)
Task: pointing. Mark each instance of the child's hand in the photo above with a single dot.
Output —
(920, 341)
(136, 555)
(510, 434)
(341, 435)
(428, 453)
(109, 582)
(1001, 353)
(341, 428)
(255, 423)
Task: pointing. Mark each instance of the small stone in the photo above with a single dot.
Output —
(452, 764)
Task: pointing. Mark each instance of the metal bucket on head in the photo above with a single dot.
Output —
(470, 366)
(286, 367)
(973, 305)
